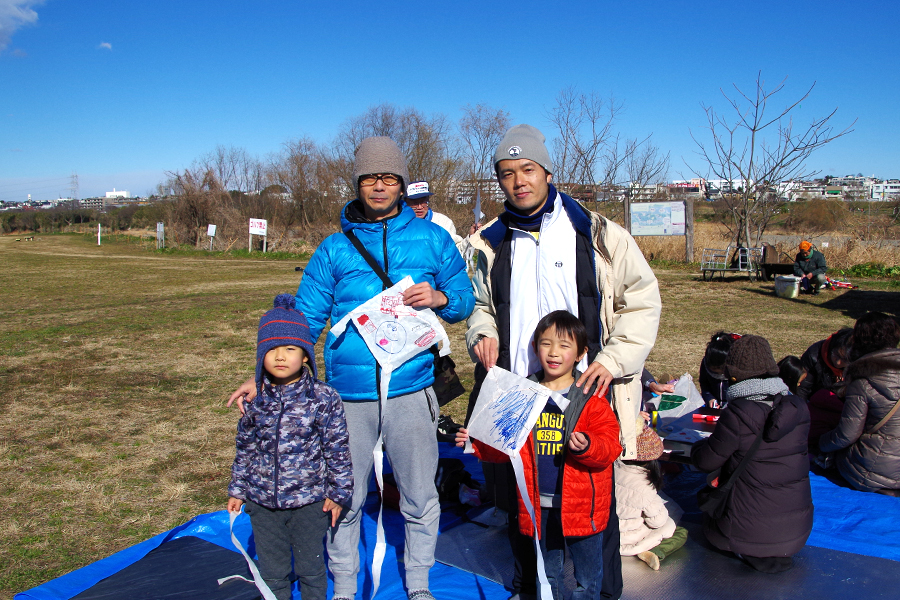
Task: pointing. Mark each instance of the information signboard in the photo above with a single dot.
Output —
(657, 218)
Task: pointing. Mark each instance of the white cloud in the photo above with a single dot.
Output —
(13, 15)
(105, 46)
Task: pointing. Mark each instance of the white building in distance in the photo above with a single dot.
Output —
(118, 194)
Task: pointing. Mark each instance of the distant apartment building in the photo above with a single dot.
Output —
(693, 187)
(718, 187)
(885, 190)
(850, 181)
(850, 187)
(465, 191)
(118, 194)
(646, 192)
(92, 203)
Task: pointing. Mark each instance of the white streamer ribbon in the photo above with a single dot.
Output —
(518, 468)
(378, 454)
(380, 541)
(257, 578)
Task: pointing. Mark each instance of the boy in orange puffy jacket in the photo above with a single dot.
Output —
(567, 460)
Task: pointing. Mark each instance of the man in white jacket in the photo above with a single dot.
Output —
(546, 252)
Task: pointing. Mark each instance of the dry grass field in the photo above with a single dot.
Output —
(116, 361)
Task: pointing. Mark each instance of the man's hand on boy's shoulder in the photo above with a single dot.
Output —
(245, 393)
(487, 351)
(595, 372)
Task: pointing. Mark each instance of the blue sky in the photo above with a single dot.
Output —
(121, 92)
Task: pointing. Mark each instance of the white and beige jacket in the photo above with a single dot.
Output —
(629, 311)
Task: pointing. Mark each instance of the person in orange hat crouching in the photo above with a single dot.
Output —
(810, 265)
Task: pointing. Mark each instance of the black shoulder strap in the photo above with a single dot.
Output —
(385, 280)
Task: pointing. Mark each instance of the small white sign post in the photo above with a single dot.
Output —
(211, 233)
(257, 227)
(98, 234)
(160, 235)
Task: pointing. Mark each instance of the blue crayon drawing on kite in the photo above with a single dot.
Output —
(511, 412)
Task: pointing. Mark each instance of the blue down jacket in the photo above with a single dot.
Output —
(337, 280)
(293, 447)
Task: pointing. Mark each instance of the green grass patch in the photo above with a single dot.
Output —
(116, 362)
(870, 270)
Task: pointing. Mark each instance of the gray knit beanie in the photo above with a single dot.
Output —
(750, 357)
(524, 141)
(379, 155)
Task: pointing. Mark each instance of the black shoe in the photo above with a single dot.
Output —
(775, 564)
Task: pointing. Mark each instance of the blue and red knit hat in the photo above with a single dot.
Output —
(283, 325)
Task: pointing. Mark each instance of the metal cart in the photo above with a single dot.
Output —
(731, 260)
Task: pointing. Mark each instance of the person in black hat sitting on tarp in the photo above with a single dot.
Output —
(769, 515)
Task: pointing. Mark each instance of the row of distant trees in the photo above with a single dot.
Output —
(65, 218)
(300, 189)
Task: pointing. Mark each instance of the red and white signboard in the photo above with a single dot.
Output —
(258, 226)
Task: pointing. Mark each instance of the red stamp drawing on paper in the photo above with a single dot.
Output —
(366, 323)
(425, 339)
(393, 305)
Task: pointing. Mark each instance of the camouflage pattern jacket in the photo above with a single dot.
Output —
(293, 447)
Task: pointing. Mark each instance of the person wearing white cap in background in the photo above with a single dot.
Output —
(418, 196)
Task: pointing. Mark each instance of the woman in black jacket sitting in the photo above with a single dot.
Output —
(867, 438)
(770, 512)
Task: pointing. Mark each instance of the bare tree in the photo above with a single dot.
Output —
(584, 124)
(424, 140)
(754, 149)
(234, 169)
(481, 129)
(645, 163)
(592, 161)
(198, 198)
(304, 172)
(430, 153)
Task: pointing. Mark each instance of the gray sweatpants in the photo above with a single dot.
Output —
(410, 440)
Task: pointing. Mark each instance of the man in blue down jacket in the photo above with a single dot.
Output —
(335, 282)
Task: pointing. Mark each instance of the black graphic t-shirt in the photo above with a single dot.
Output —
(549, 432)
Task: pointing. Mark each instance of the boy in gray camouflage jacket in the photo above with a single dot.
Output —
(292, 470)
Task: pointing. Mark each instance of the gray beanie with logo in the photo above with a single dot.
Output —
(524, 141)
(379, 155)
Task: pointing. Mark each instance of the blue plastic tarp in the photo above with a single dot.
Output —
(847, 520)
